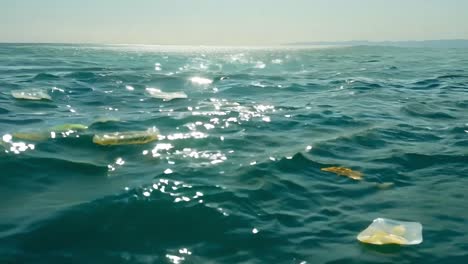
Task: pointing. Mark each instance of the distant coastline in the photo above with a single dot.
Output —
(449, 43)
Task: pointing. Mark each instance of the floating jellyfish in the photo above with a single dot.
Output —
(126, 138)
(166, 96)
(355, 175)
(387, 231)
(31, 94)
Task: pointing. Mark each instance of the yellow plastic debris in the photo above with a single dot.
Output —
(387, 231)
(44, 135)
(355, 175)
(33, 136)
(126, 138)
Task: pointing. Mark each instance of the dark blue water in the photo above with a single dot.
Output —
(236, 175)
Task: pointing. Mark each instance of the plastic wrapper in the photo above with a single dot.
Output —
(67, 127)
(355, 175)
(31, 94)
(387, 231)
(126, 138)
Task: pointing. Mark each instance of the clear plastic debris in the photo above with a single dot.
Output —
(32, 136)
(31, 94)
(126, 138)
(387, 231)
(44, 135)
(166, 96)
(67, 127)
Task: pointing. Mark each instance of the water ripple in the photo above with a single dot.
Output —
(236, 174)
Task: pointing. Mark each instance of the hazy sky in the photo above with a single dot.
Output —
(230, 22)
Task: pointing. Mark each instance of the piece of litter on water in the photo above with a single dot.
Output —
(355, 175)
(385, 185)
(31, 94)
(126, 138)
(67, 127)
(166, 96)
(387, 231)
(34, 136)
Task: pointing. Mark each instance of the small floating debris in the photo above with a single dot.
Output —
(126, 138)
(51, 132)
(31, 136)
(387, 231)
(68, 127)
(355, 175)
(385, 185)
(31, 94)
(166, 96)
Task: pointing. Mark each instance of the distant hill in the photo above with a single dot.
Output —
(450, 43)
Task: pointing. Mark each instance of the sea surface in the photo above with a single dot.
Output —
(236, 175)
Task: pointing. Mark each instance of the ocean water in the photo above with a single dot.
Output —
(236, 175)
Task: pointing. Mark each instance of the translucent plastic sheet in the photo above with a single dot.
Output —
(386, 231)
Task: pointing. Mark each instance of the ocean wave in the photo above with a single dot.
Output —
(426, 110)
(4, 110)
(82, 75)
(236, 173)
(45, 76)
(416, 161)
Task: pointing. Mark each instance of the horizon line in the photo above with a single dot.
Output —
(314, 42)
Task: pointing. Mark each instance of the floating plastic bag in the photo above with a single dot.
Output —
(31, 94)
(386, 231)
(126, 138)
